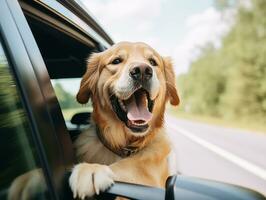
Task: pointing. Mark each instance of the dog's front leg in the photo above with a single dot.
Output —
(148, 167)
(89, 179)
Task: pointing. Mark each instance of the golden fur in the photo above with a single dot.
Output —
(149, 166)
(99, 166)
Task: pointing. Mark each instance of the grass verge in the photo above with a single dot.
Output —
(244, 125)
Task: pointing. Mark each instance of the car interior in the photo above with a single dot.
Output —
(64, 53)
(65, 49)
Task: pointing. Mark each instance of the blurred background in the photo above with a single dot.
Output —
(219, 52)
(218, 48)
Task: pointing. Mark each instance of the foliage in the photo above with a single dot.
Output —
(230, 82)
(66, 99)
(224, 4)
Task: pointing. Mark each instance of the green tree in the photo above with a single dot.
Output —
(66, 99)
(245, 47)
(230, 82)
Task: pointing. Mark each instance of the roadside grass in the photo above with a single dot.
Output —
(244, 125)
(68, 113)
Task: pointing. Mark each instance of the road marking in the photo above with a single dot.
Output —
(258, 171)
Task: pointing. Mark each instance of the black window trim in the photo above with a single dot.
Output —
(56, 23)
(98, 35)
(48, 125)
(28, 65)
(7, 40)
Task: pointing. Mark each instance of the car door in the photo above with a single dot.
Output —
(50, 143)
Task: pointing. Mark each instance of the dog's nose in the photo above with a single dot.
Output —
(141, 72)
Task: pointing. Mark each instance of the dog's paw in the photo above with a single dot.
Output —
(88, 179)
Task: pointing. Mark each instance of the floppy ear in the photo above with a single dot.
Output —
(89, 80)
(170, 81)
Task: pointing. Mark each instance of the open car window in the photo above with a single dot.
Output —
(65, 54)
(66, 90)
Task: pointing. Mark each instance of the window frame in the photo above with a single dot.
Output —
(49, 132)
(6, 25)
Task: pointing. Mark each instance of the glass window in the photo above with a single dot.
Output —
(20, 175)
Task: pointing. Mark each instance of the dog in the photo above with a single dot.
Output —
(129, 85)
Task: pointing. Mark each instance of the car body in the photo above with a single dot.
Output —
(43, 40)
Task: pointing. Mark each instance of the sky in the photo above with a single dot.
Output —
(176, 28)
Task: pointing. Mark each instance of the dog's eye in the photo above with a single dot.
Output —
(152, 62)
(117, 61)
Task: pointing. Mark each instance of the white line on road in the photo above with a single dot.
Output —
(258, 171)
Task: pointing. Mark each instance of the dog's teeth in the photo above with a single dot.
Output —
(138, 124)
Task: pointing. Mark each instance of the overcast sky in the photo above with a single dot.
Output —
(175, 28)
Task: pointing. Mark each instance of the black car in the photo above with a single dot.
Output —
(42, 41)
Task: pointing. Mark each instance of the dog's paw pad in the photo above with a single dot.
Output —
(88, 179)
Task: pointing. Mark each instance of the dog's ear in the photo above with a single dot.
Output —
(170, 81)
(89, 80)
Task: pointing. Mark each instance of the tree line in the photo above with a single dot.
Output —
(230, 82)
(66, 99)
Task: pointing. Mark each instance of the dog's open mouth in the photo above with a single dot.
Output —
(136, 111)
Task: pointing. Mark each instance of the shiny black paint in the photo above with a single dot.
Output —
(182, 188)
(49, 131)
(190, 188)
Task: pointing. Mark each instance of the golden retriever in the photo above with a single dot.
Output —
(129, 85)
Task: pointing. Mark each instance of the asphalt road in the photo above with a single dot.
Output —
(217, 153)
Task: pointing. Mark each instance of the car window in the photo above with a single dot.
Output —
(66, 90)
(18, 155)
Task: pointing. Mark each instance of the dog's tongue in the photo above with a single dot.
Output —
(137, 108)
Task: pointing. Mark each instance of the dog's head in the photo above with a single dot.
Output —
(132, 82)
